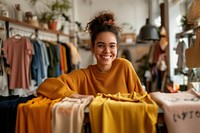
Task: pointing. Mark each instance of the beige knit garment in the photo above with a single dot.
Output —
(181, 110)
(68, 115)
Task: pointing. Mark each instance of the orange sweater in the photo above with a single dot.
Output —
(120, 78)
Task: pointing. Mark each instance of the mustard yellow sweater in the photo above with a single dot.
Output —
(120, 78)
(123, 113)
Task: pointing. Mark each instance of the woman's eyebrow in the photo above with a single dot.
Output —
(100, 43)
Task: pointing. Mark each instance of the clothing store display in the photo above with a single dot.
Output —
(90, 81)
(181, 110)
(40, 60)
(123, 113)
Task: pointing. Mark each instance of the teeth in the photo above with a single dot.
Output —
(106, 56)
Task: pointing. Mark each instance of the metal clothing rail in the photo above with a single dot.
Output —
(20, 23)
(12, 29)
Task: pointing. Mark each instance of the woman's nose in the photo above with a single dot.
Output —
(106, 49)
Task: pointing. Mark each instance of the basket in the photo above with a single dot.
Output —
(194, 11)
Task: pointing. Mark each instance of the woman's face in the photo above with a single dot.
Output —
(105, 49)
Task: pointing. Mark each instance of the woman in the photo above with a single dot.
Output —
(110, 75)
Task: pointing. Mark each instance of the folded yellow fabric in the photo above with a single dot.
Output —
(123, 113)
(34, 116)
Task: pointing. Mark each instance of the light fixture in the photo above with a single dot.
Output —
(148, 32)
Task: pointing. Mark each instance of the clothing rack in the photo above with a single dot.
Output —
(26, 25)
(12, 29)
(10, 25)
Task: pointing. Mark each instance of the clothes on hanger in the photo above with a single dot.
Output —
(180, 51)
(18, 54)
(3, 75)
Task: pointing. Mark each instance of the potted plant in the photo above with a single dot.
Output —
(55, 9)
(45, 18)
(185, 24)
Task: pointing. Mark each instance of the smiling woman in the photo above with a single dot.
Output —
(110, 75)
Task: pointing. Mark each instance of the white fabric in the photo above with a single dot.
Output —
(181, 110)
(3, 76)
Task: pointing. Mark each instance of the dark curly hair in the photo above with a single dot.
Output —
(103, 22)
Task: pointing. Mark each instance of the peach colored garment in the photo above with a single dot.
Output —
(68, 115)
(18, 54)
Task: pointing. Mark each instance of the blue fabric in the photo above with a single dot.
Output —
(58, 67)
(8, 112)
(37, 64)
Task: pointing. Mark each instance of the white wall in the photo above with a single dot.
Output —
(133, 12)
(174, 10)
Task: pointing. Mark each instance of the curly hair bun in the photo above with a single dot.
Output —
(102, 18)
(104, 21)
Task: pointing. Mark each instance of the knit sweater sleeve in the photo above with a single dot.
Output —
(59, 87)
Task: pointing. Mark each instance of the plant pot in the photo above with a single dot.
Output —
(53, 25)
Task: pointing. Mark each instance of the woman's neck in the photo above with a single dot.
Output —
(103, 68)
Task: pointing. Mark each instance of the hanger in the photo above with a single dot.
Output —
(17, 36)
(33, 36)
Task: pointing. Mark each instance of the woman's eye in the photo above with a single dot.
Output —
(113, 46)
(100, 46)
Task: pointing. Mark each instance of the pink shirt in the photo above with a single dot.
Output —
(18, 54)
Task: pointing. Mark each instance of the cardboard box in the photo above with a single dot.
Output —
(128, 37)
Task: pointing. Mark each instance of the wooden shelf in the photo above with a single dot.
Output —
(20, 23)
(188, 33)
(127, 44)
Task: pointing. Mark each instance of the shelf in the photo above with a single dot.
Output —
(127, 44)
(20, 23)
(188, 33)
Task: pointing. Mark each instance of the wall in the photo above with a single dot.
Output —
(174, 10)
(133, 12)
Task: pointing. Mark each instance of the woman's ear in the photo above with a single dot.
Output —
(92, 48)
